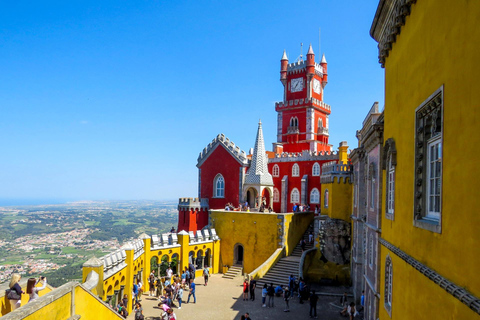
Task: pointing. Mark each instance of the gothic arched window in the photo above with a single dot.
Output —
(316, 169)
(276, 171)
(315, 196)
(276, 195)
(219, 187)
(295, 170)
(295, 196)
(325, 199)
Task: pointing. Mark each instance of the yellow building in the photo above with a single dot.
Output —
(430, 50)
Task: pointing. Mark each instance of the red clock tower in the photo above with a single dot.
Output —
(302, 116)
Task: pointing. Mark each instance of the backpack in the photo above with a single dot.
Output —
(270, 291)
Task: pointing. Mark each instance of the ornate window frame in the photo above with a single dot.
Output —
(219, 186)
(389, 164)
(316, 169)
(294, 196)
(372, 179)
(388, 284)
(315, 196)
(276, 195)
(295, 170)
(276, 171)
(428, 134)
(293, 122)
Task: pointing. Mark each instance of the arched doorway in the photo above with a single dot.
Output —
(238, 254)
(251, 197)
(266, 198)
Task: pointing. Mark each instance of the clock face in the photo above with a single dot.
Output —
(296, 85)
(316, 86)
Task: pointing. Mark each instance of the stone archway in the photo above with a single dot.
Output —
(238, 254)
(251, 197)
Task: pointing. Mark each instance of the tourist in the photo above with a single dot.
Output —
(172, 230)
(151, 284)
(184, 277)
(245, 290)
(125, 300)
(180, 296)
(344, 304)
(247, 316)
(32, 288)
(264, 295)
(291, 284)
(15, 293)
(192, 292)
(271, 295)
(352, 311)
(122, 310)
(206, 273)
(362, 301)
(310, 237)
(135, 291)
(169, 274)
(278, 291)
(140, 290)
(313, 304)
(303, 244)
(171, 315)
(286, 297)
(138, 311)
(316, 209)
(301, 290)
(253, 286)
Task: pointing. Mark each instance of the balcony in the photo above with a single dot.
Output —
(292, 130)
(322, 130)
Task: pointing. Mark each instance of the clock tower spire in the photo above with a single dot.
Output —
(302, 115)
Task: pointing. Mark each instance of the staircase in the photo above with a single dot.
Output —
(233, 271)
(279, 273)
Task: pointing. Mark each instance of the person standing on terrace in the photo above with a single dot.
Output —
(32, 288)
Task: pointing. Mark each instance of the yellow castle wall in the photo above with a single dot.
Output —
(5, 303)
(437, 46)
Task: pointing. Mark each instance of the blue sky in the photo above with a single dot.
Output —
(115, 99)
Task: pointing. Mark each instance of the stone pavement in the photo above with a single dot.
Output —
(222, 299)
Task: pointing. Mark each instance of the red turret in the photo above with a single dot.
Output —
(310, 61)
(283, 67)
(323, 63)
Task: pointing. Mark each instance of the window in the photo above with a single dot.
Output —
(320, 123)
(295, 196)
(315, 196)
(434, 181)
(295, 170)
(388, 284)
(428, 163)
(293, 122)
(371, 177)
(325, 199)
(389, 164)
(219, 186)
(316, 169)
(276, 171)
(370, 253)
(276, 195)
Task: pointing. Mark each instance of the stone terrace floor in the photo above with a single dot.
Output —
(222, 299)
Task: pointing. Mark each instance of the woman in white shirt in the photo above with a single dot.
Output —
(32, 288)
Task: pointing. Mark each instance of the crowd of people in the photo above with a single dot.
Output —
(169, 290)
(296, 288)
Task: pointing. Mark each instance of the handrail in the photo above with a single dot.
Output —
(272, 260)
(302, 261)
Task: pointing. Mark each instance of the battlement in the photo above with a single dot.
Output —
(300, 66)
(229, 145)
(113, 263)
(306, 155)
(167, 240)
(185, 203)
(302, 102)
(333, 169)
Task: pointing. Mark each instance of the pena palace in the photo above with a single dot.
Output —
(271, 181)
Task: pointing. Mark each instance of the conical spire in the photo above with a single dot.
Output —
(284, 57)
(258, 172)
(310, 50)
(323, 59)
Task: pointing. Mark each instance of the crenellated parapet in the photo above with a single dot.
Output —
(170, 240)
(279, 106)
(300, 67)
(113, 263)
(229, 145)
(306, 155)
(137, 246)
(333, 170)
(192, 203)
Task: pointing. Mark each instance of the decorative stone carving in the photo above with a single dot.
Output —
(335, 241)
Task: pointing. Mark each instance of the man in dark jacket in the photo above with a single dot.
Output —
(313, 304)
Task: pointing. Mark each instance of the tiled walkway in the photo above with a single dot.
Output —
(222, 299)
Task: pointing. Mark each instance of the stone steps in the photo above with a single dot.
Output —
(233, 272)
(280, 272)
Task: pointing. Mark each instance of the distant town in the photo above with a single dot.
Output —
(55, 240)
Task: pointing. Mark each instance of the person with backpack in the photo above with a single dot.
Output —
(14, 294)
(271, 295)
(286, 297)
(138, 312)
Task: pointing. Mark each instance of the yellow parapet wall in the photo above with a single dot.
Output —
(5, 303)
(257, 234)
